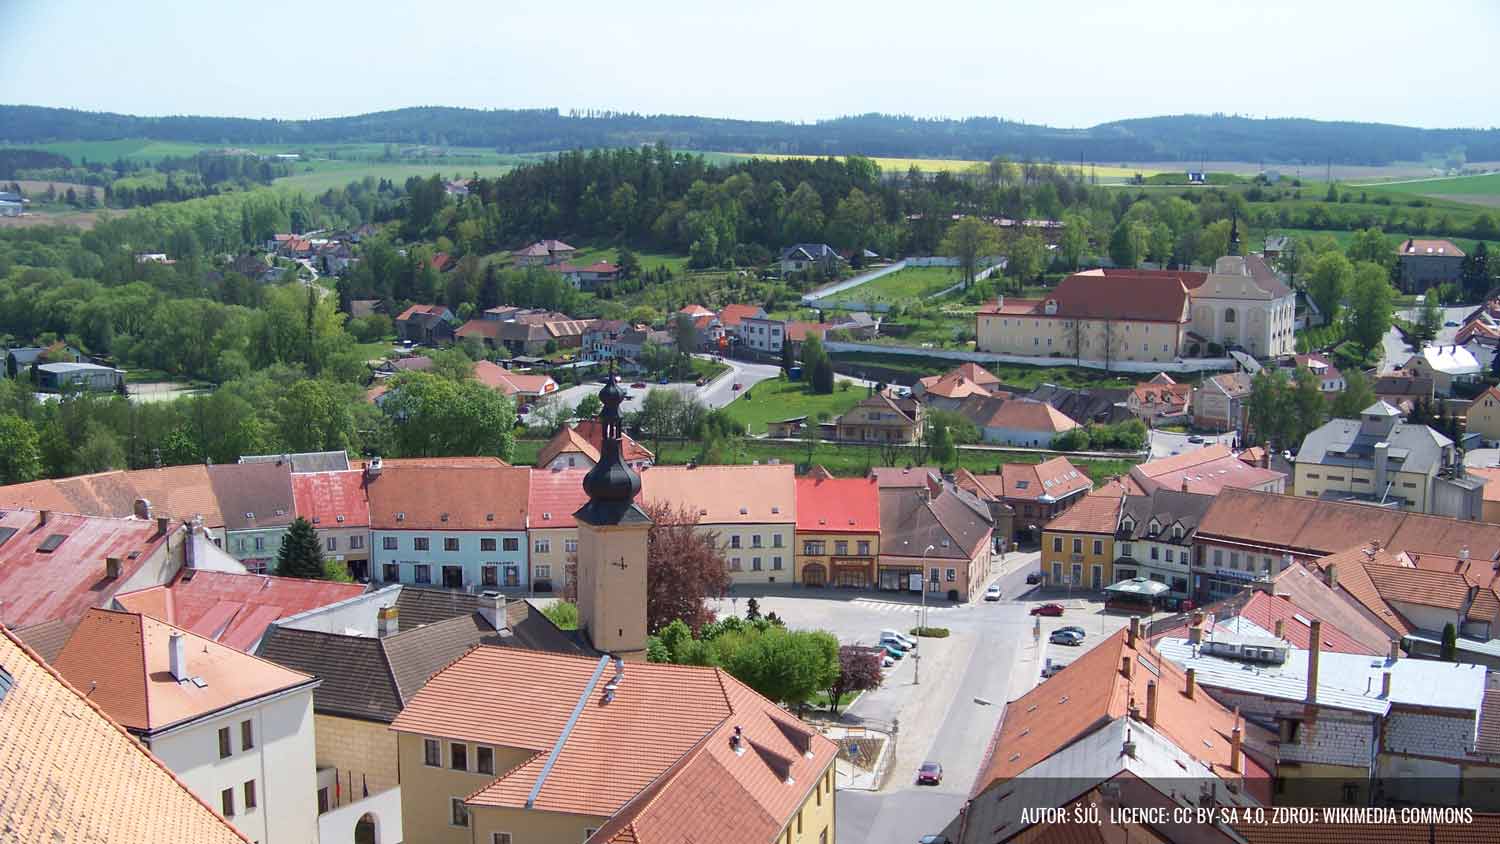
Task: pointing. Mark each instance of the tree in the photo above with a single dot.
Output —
(968, 240)
(1328, 282)
(1075, 239)
(752, 610)
(588, 407)
(20, 450)
(1372, 246)
(787, 361)
(784, 665)
(629, 264)
(436, 417)
(1124, 247)
(859, 671)
(1357, 396)
(1213, 243)
(683, 567)
(817, 368)
(1370, 301)
(1449, 651)
(301, 553)
(1476, 272)
(940, 444)
(1309, 409)
(1269, 408)
(1429, 320)
(1025, 258)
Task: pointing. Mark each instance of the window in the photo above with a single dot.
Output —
(239, 546)
(260, 543)
(458, 756)
(776, 563)
(570, 546)
(1098, 546)
(499, 838)
(1219, 557)
(356, 542)
(487, 544)
(812, 547)
(510, 543)
(250, 795)
(460, 812)
(247, 735)
(422, 573)
(419, 543)
(755, 564)
(864, 547)
(432, 753)
(1155, 553)
(226, 802)
(484, 760)
(332, 543)
(543, 572)
(775, 540)
(224, 747)
(1057, 544)
(544, 546)
(1077, 546)
(390, 572)
(1234, 559)
(388, 543)
(841, 548)
(755, 541)
(323, 804)
(450, 543)
(1125, 549)
(734, 541)
(1351, 793)
(952, 575)
(734, 564)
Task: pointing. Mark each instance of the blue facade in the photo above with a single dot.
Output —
(457, 559)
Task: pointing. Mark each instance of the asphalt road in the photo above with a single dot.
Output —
(1395, 351)
(1168, 443)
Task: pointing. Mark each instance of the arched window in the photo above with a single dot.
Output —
(1229, 314)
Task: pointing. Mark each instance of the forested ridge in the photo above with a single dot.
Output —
(1184, 138)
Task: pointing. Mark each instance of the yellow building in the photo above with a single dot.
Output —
(838, 531)
(525, 747)
(1078, 547)
(1484, 416)
(751, 509)
(1380, 457)
(1118, 315)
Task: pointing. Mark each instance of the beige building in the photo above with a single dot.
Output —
(1242, 303)
(552, 532)
(1097, 315)
(752, 510)
(1484, 416)
(882, 419)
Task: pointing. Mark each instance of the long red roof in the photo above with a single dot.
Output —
(838, 505)
(332, 499)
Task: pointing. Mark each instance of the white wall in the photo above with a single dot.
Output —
(356, 616)
(282, 765)
(337, 826)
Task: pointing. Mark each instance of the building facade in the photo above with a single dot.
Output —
(838, 531)
(750, 510)
(1078, 547)
(1243, 304)
(1119, 316)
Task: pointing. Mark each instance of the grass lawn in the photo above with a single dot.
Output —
(899, 288)
(1016, 375)
(319, 176)
(1487, 184)
(372, 351)
(770, 401)
(649, 260)
(819, 700)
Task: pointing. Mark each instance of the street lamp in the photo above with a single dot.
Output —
(921, 621)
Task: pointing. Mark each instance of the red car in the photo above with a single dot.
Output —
(738, 386)
(639, 385)
(1047, 609)
(931, 773)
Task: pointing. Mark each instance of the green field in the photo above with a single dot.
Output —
(319, 176)
(902, 287)
(649, 260)
(1012, 374)
(771, 401)
(1486, 184)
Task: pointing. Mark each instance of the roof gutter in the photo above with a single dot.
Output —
(567, 730)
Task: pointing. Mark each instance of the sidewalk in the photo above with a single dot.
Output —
(856, 776)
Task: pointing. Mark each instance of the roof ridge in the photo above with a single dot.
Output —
(42, 664)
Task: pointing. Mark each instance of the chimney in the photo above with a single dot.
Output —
(1382, 456)
(1281, 628)
(162, 525)
(1234, 749)
(142, 509)
(177, 653)
(1125, 666)
(111, 568)
(42, 517)
(1395, 649)
(1332, 573)
(1151, 703)
(1192, 683)
(1184, 483)
(999, 301)
(1314, 650)
(1195, 629)
(372, 469)
(388, 621)
(1385, 685)
(1135, 631)
(736, 743)
(492, 608)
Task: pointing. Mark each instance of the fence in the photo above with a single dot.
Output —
(816, 297)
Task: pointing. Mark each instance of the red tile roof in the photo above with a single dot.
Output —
(1119, 295)
(630, 450)
(1426, 248)
(1098, 512)
(234, 609)
(1263, 610)
(838, 505)
(1055, 479)
(414, 310)
(510, 383)
(1207, 470)
(731, 315)
(1020, 414)
(554, 496)
(65, 582)
(451, 498)
(332, 499)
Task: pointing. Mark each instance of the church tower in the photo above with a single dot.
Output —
(612, 535)
(1234, 233)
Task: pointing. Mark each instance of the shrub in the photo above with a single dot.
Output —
(563, 614)
(932, 632)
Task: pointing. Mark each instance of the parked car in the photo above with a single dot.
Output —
(934, 839)
(639, 385)
(931, 773)
(1066, 637)
(992, 593)
(1450, 324)
(738, 386)
(1195, 439)
(893, 652)
(1047, 609)
(1072, 628)
(898, 644)
(889, 633)
(1033, 578)
(1054, 666)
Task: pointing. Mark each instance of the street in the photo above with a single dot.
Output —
(1168, 443)
(989, 658)
(1394, 348)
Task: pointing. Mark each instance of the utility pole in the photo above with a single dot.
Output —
(921, 622)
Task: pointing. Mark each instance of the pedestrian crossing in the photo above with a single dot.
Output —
(877, 605)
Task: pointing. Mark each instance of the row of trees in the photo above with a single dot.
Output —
(1284, 408)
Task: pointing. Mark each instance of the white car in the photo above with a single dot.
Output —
(906, 641)
(992, 593)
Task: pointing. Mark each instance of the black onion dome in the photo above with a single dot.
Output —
(611, 480)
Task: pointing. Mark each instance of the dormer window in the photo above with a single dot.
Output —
(1155, 527)
(1177, 531)
(1127, 524)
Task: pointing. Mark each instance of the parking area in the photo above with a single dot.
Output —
(1168, 443)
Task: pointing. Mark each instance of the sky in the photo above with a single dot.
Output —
(1069, 63)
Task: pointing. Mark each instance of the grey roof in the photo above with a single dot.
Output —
(253, 495)
(1265, 277)
(373, 678)
(1342, 442)
(1168, 507)
(1091, 405)
(1345, 681)
(813, 251)
(910, 522)
(26, 355)
(66, 366)
(307, 461)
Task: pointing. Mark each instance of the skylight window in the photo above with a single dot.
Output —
(50, 543)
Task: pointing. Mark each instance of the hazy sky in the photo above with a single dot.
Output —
(1061, 62)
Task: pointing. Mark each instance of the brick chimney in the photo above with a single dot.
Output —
(388, 622)
(1135, 631)
(163, 524)
(42, 517)
(1385, 685)
(1125, 667)
(1395, 649)
(1235, 749)
(1281, 628)
(1332, 573)
(1151, 703)
(1192, 683)
(1314, 650)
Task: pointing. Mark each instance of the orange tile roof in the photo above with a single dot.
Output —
(181, 492)
(331, 499)
(1263, 610)
(555, 495)
(731, 315)
(676, 720)
(838, 505)
(1207, 470)
(1351, 576)
(1098, 512)
(952, 386)
(720, 495)
(124, 658)
(1425, 248)
(1092, 691)
(234, 609)
(66, 581)
(452, 498)
(1092, 294)
(70, 773)
(1444, 589)
(510, 383)
(630, 450)
(566, 441)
